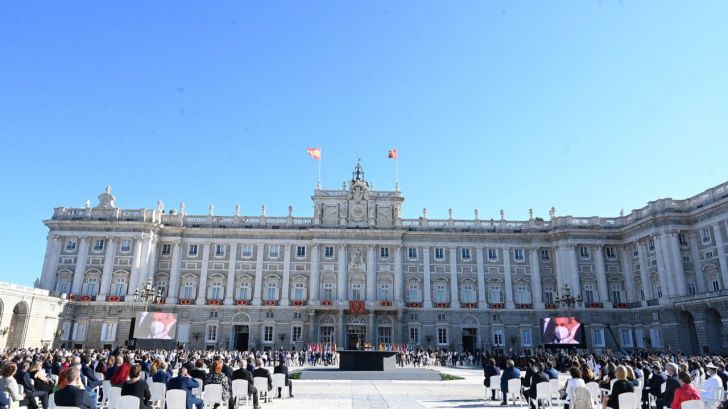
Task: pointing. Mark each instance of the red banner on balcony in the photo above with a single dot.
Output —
(357, 307)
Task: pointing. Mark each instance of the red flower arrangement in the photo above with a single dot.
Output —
(241, 302)
(213, 302)
(185, 301)
(326, 303)
(113, 298)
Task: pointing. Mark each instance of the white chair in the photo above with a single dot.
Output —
(68, 407)
(240, 391)
(128, 402)
(663, 387)
(51, 402)
(176, 399)
(554, 388)
(692, 404)
(279, 381)
(114, 395)
(638, 392)
(514, 389)
(198, 391)
(213, 395)
(106, 389)
(261, 384)
(494, 384)
(628, 400)
(158, 391)
(595, 393)
(543, 393)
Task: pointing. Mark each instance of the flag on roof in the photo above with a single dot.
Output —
(392, 154)
(314, 153)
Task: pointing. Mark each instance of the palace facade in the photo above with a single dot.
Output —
(357, 272)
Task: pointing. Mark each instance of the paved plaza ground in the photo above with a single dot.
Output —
(364, 394)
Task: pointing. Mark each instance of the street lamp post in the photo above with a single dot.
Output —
(147, 294)
(567, 300)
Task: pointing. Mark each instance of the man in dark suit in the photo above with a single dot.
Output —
(282, 368)
(537, 376)
(198, 372)
(72, 395)
(23, 378)
(260, 371)
(654, 384)
(185, 382)
(244, 374)
(88, 373)
(671, 384)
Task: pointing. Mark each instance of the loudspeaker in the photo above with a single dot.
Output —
(131, 328)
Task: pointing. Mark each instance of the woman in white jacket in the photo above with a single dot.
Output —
(572, 383)
(10, 385)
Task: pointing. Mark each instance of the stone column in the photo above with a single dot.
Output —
(315, 268)
(311, 326)
(50, 262)
(341, 274)
(695, 256)
(479, 259)
(626, 257)
(372, 333)
(257, 287)
(340, 330)
(202, 289)
(151, 262)
(136, 264)
(427, 284)
(662, 266)
(574, 271)
(454, 293)
(508, 279)
(108, 268)
(644, 272)
(173, 288)
(286, 274)
(80, 266)
(721, 254)
(602, 277)
(371, 275)
(398, 277)
(230, 290)
(559, 265)
(681, 287)
(536, 279)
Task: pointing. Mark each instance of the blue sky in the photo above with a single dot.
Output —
(589, 106)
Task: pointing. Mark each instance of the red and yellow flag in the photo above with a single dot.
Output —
(392, 154)
(314, 153)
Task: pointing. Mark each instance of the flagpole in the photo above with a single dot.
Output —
(318, 184)
(396, 176)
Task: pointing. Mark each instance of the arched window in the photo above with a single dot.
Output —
(271, 288)
(299, 288)
(188, 290)
(617, 293)
(467, 291)
(91, 282)
(216, 289)
(120, 283)
(414, 291)
(441, 295)
(590, 296)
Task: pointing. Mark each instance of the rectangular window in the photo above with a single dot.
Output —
(526, 339)
(70, 245)
(273, 251)
(617, 293)
(244, 291)
(108, 332)
(296, 334)
(440, 293)
(518, 254)
(545, 255)
(183, 332)
(494, 294)
(442, 336)
(166, 249)
(639, 337)
(598, 337)
(385, 293)
(119, 287)
(468, 293)
(465, 254)
(412, 253)
(328, 291)
(656, 337)
(384, 252)
(651, 245)
(79, 331)
(715, 285)
(272, 291)
(329, 251)
(584, 252)
(356, 291)
(692, 289)
(268, 334)
(589, 297)
(247, 250)
(99, 245)
(498, 337)
(611, 252)
(188, 290)
(192, 250)
(548, 295)
(683, 239)
(219, 249)
(211, 333)
(327, 334)
(439, 253)
(384, 335)
(299, 291)
(413, 293)
(90, 286)
(523, 296)
(705, 234)
(301, 251)
(492, 254)
(625, 335)
(414, 335)
(216, 291)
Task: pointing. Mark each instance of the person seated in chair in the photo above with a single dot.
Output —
(283, 369)
(244, 374)
(186, 383)
(72, 394)
(136, 387)
(260, 371)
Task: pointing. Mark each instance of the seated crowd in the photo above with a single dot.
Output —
(30, 377)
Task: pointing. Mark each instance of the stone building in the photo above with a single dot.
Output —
(28, 316)
(357, 272)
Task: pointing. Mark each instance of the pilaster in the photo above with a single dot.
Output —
(427, 284)
(230, 289)
(371, 275)
(108, 267)
(315, 271)
(258, 285)
(80, 269)
(536, 279)
(602, 277)
(454, 296)
(173, 287)
(480, 265)
(508, 279)
(721, 254)
(202, 289)
(286, 274)
(341, 286)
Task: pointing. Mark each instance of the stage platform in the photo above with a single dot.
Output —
(367, 360)
(397, 374)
